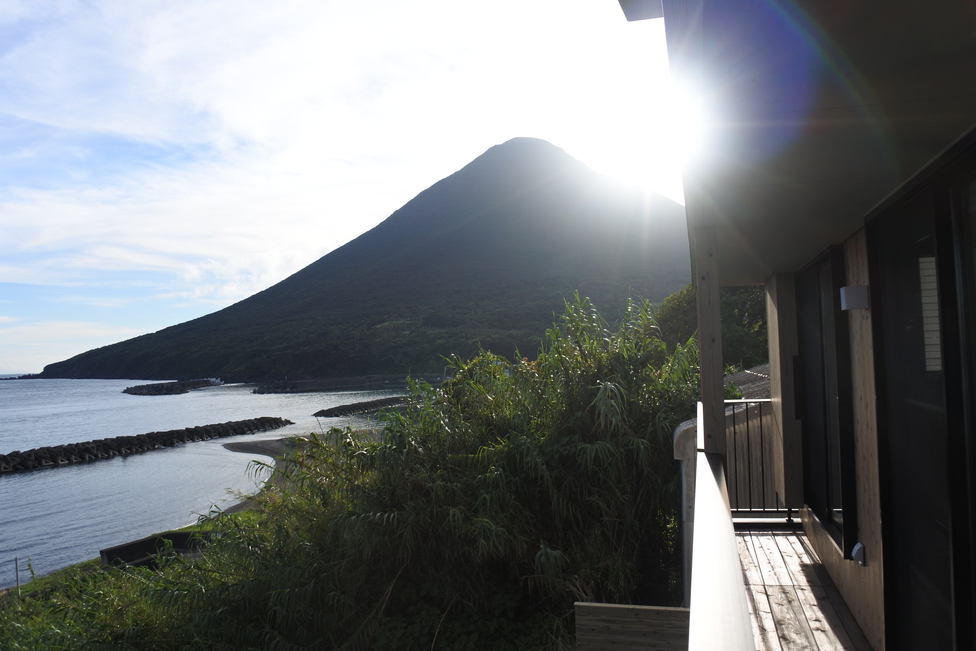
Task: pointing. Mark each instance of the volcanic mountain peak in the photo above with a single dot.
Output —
(483, 257)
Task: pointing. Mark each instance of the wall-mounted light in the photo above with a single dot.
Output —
(854, 297)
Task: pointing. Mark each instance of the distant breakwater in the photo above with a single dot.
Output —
(358, 408)
(170, 388)
(339, 383)
(88, 451)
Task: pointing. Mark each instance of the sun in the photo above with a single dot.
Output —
(649, 143)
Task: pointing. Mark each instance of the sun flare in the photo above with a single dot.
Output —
(650, 141)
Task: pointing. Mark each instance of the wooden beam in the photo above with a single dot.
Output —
(710, 338)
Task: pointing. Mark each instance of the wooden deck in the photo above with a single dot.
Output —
(792, 601)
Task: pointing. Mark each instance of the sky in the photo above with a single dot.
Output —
(162, 159)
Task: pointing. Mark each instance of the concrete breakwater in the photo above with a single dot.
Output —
(341, 383)
(63, 455)
(170, 388)
(357, 408)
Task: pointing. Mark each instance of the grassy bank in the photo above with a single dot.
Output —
(486, 508)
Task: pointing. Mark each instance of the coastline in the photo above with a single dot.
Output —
(269, 447)
(66, 516)
(274, 448)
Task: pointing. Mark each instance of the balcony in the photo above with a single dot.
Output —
(753, 581)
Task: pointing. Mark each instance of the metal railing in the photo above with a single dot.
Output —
(749, 432)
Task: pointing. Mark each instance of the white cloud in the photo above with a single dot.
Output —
(31, 346)
(210, 149)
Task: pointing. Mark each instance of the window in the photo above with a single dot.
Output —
(908, 245)
(825, 402)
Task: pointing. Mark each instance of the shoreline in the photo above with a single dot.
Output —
(267, 447)
(274, 448)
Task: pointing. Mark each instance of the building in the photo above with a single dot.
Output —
(840, 172)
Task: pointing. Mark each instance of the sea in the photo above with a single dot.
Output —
(56, 517)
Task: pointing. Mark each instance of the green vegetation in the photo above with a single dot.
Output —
(488, 507)
(743, 312)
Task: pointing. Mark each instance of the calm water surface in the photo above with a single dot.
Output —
(61, 516)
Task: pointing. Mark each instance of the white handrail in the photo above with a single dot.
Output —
(719, 607)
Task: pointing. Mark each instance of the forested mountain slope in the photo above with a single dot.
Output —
(484, 257)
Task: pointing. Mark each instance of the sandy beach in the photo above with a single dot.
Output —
(267, 448)
(273, 448)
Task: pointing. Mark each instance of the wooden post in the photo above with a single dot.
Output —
(710, 338)
(17, 573)
(783, 347)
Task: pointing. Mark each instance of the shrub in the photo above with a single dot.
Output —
(483, 512)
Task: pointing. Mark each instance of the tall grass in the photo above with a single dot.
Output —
(488, 507)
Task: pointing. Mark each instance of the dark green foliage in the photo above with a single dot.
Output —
(483, 259)
(677, 317)
(486, 510)
(744, 334)
(488, 507)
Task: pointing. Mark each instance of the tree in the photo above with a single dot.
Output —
(743, 313)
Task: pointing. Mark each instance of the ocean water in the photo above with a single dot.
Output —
(60, 516)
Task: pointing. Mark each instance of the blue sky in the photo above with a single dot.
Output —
(160, 160)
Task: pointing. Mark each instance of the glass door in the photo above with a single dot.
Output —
(913, 433)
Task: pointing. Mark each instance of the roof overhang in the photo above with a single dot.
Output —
(642, 9)
(815, 112)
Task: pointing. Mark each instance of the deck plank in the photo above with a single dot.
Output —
(763, 623)
(798, 562)
(748, 558)
(763, 564)
(753, 614)
(850, 625)
(828, 630)
(818, 598)
(791, 622)
(793, 602)
(818, 567)
(777, 564)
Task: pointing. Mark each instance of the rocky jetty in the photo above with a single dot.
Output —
(342, 383)
(63, 455)
(171, 388)
(357, 408)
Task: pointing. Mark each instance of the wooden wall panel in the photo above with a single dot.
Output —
(615, 627)
(861, 587)
(787, 448)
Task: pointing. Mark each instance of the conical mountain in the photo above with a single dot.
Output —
(485, 257)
